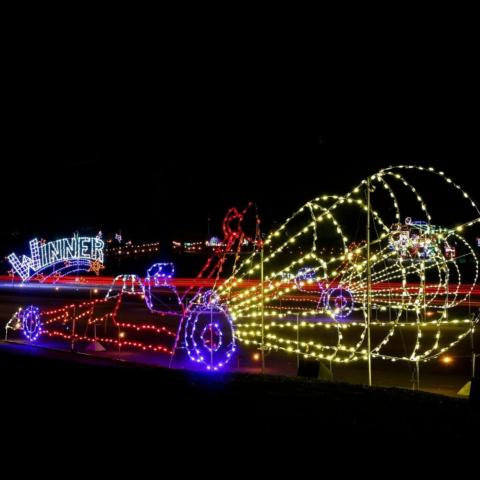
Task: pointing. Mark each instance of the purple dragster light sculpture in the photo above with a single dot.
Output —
(195, 321)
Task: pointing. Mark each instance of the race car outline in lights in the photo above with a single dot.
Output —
(309, 291)
(199, 314)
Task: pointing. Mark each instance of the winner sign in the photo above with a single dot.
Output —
(59, 257)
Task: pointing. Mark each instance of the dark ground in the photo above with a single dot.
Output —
(40, 387)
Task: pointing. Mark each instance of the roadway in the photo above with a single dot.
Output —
(435, 376)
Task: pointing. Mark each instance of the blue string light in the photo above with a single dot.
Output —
(339, 301)
(209, 332)
(74, 254)
(30, 321)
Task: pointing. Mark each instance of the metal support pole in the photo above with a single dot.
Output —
(472, 333)
(262, 286)
(298, 342)
(418, 374)
(369, 286)
(472, 340)
(72, 347)
(424, 292)
(211, 337)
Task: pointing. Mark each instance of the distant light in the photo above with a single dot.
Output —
(121, 334)
(95, 290)
(446, 360)
(213, 242)
(256, 357)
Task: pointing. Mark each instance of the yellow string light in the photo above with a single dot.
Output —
(403, 289)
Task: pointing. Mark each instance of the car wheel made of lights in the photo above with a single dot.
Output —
(31, 325)
(209, 332)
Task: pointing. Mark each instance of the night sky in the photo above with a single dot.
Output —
(154, 141)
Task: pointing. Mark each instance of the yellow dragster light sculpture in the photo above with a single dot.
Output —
(313, 300)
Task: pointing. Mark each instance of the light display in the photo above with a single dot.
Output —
(419, 239)
(339, 301)
(160, 296)
(419, 273)
(214, 242)
(76, 323)
(209, 332)
(29, 319)
(96, 266)
(160, 272)
(130, 249)
(204, 325)
(59, 257)
(324, 284)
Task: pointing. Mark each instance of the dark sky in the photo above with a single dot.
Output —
(152, 139)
